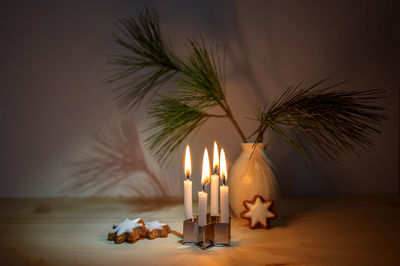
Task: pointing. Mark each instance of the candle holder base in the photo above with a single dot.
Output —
(204, 241)
(190, 231)
(214, 233)
(213, 219)
(222, 233)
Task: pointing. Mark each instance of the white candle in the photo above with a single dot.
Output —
(224, 190)
(188, 199)
(187, 186)
(214, 208)
(205, 178)
(202, 208)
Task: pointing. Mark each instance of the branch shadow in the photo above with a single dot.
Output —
(115, 156)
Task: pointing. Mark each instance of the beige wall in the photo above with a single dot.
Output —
(54, 101)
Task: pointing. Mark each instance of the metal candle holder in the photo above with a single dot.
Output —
(214, 233)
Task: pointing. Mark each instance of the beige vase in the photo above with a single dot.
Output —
(250, 175)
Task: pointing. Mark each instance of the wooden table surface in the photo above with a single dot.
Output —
(309, 231)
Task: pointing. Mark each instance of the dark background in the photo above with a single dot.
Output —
(54, 101)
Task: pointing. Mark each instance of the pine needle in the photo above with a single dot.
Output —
(334, 121)
(149, 64)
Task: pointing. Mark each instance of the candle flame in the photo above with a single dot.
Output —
(215, 158)
(224, 172)
(205, 175)
(188, 162)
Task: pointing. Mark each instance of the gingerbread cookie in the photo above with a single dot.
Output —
(128, 231)
(258, 211)
(133, 230)
(156, 229)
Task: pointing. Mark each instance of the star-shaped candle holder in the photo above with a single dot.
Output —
(258, 212)
(214, 233)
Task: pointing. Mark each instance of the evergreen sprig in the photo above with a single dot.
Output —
(174, 121)
(201, 80)
(150, 62)
(334, 121)
(186, 109)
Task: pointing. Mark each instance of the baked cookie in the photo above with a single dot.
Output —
(128, 231)
(133, 230)
(258, 211)
(156, 229)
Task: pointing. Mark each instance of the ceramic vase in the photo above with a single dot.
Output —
(250, 175)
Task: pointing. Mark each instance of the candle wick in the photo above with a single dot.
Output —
(215, 170)
(187, 176)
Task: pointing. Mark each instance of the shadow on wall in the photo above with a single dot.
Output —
(116, 166)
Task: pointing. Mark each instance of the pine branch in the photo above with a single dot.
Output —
(149, 64)
(186, 109)
(335, 122)
(175, 120)
(202, 81)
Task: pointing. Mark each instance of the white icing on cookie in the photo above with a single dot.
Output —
(154, 225)
(126, 226)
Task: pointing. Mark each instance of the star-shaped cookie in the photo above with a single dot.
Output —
(154, 225)
(128, 231)
(126, 226)
(157, 229)
(258, 212)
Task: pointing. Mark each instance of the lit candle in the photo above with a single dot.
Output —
(224, 190)
(187, 186)
(214, 208)
(205, 178)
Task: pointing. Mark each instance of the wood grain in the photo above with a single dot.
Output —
(316, 231)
